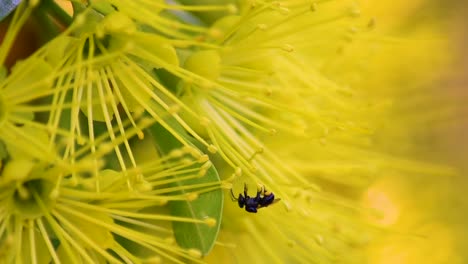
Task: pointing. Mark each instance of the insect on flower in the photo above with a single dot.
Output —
(263, 198)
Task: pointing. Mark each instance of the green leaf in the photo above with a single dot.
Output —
(207, 205)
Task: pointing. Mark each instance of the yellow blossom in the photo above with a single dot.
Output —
(120, 134)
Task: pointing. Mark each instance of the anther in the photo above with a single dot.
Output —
(173, 109)
(203, 158)
(202, 173)
(253, 4)
(226, 185)
(195, 153)
(191, 196)
(81, 140)
(313, 7)
(287, 48)
(371, 23)
(232, 9)
(204, 121)
(190, 150)
(194, 253)
(169, 240)
(238, 171)
(212, 149)
(207, 165)
(79, 19)
(354, 11)
(215, 33)
(23, 192)
(105, 148)
(144, 186)
(140, 135)
(153, 260)
(33, 3)
(323, 141)
(258, 151)
(319, 239)
(284, 10)
(186, 161)
(100, 33)
(176, 153)
(253, 169)
(210, 221)
(146, 122)
(353, 30)
(54, 194)
(262, 26)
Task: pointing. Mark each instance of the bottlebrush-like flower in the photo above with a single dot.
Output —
(49, 215)
(125, 102)
(228, 93)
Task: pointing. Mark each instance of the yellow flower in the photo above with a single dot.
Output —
(120, 133)
(52, 211)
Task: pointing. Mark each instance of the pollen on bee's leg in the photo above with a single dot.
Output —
(266, 193)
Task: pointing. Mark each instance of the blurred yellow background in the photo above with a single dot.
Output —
(425, 216)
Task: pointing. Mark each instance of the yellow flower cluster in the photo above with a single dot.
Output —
(128, 134)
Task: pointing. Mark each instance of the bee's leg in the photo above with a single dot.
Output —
(251, 209)
(233, 197)
(259, 193)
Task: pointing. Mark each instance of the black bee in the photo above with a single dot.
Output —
(262, 199)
